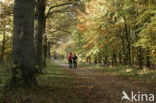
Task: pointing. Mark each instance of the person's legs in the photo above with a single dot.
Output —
(70, 63)
(75, 65)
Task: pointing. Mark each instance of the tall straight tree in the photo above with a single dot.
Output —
(23, 71)
(39, 30)
(3, 45)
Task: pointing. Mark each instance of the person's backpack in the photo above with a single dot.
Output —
(69, 57)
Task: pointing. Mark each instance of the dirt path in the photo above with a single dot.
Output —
(100, 87)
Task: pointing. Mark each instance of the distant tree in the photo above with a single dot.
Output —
(122, 30)
(5, 29)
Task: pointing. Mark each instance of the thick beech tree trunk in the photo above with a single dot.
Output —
(23, 71)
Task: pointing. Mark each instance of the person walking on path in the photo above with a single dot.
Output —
(74, 57)
(70, 60)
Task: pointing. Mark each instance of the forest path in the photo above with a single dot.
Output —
(102, 87)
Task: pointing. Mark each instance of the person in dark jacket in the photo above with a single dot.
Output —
(74, 57)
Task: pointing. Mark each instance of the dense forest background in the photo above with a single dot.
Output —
(117, 32)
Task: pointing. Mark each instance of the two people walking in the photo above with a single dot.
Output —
(72, 59)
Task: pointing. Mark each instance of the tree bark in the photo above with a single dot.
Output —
(45, 50)
(3, 46)
(148, 62)
(95, 60)
(114, 61)
(49, 49)
(140, 57)
(124, 50)
(120, 58)
(39, 28)
(23, 71)
(128, 44)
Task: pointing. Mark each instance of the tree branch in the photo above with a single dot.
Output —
(49, 11)
(60, 11)
(60, 30)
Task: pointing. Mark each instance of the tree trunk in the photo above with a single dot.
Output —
(124, 50)
(45, 50)
(3, 46)
(148, 62)
(49, 55)
(23, 71)
(128, 44)
(99, 58)
(106, 60)
(95, 60)
(140, 57)
(120, 58)
(114, 61)
(89, 59)
(39, 28)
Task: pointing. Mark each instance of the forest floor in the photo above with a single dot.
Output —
(59, 84)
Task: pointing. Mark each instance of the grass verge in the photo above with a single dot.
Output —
(54, 86)
(145, 74)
